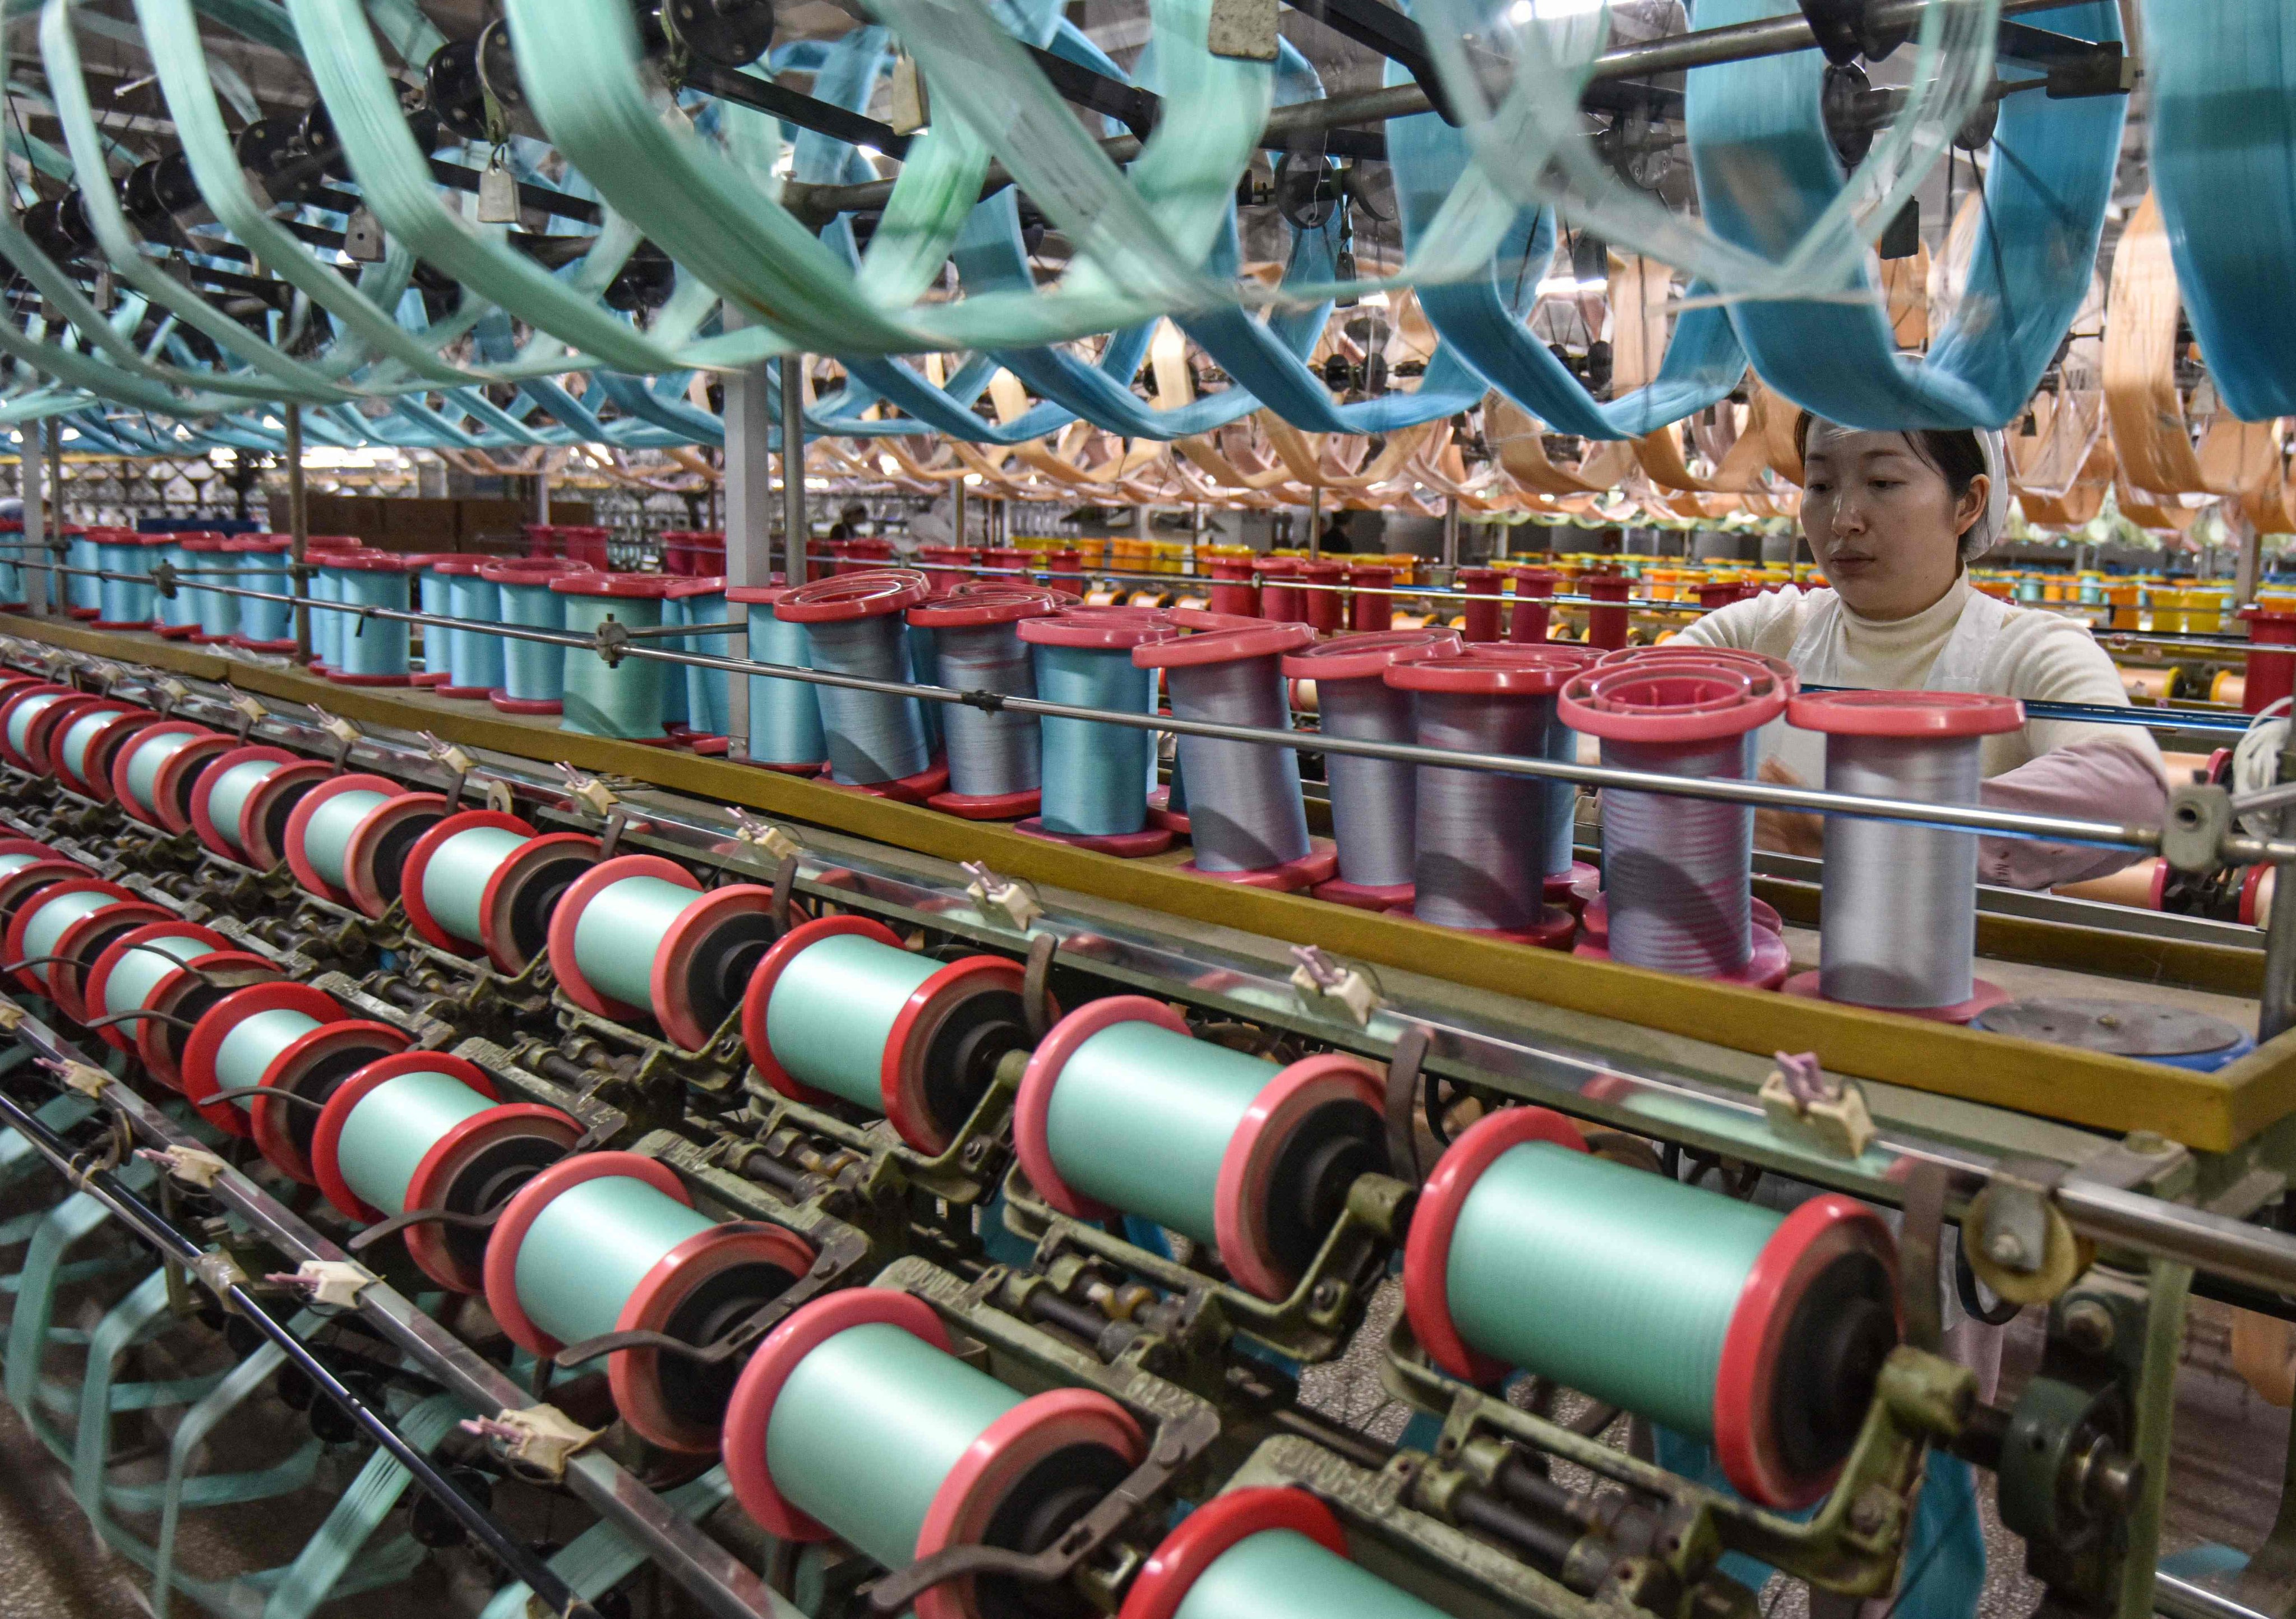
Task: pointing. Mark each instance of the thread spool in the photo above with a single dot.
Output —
(348, 838)
(1479, 611)
(1095, 775)
(855, 1419)
(45, 736)
(1374, 801)
(371, 651)
(78, 941)
(127, 973)
(1899, 919)
(1533, 589)
(611, 1241)
(621, 699)
(216, 614)
(264, 626)
(533, 672)
(675, 701)
(41, 921)
(1262, 1554)
(2271, 666)
(1481, 839)
(1759, 1332)
(996, 766)
(176, 618)
(20, 712)
(1121, 1109)
(946, 567)
(155, 771)
(183, 997)
(474, 659)
(25, 868)
(85, 740)
(1606, 627)
(241, 804)
(838, 1008)
(12, 597)
(426, 1129)
(82, 589)
(709, 691)
(1280, 595)
(326, 624)
(1370, 609)
(1235, 589)
(1321, 601)
(125, 603)
(283, 1037)
(854, 625)
(1245, 814)
(784, 715)
(484, 882)
(635, 936)
(1675, 871)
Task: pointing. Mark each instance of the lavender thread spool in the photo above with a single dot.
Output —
(854, 625)
(995, 763)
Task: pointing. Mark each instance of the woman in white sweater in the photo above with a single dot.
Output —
(1894, 518)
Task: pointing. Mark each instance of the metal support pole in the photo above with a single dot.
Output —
(298, 533)
(1450, 532)
(542, 490)
(2250, 565)
(959, 535)
(795, 536)
(1316, 521)
(50, 594)
(2275, 1003)
(55, 438)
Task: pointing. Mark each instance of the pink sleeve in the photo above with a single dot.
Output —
(2099, 779)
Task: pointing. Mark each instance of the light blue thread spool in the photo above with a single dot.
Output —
(620, 932)
(263, 566)
(148, 758)
(832, 1013)
(674, 702)
(392, 1128)
(433, 593)
(139, 972)
(454, 880)
(20, 718)
(227, 798)
(1374, 801)
(327, 834)
(991, 754)
(125, 603)
(255, 1042)
(854, 625)
(623, 699)
(180, 613)
(12, 571)
(1245, 809)
(474, 660)
(533, 672)
(1281, 1573)
(924, 668)
(71, 750)
(84, 591)
(709, 691)
(1095, 775)
(784, 715)
(590, 1247)
(47, 924)
(326, 624)
(370, 651)
(220, 564)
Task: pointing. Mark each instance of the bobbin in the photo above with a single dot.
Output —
(38, 928)
(347, 837)
(1095, 775)
(224, 798)
(533, 672)
(624, 698)
(176, 617)
(428, 1130)
(371, 652)
(1264, 1553)
(434, 596)
(938, 1455)
(1899, 919)
(611, 1241)
(709, 691)
(1481, 839)
(25, 720)
(995, 759)
(679, 955)
(26, 869)
(1246, 817)
(184, 996)
(1676, 871)
(46, 733)
(125, 603)
(264, 625)
(130, 969)
(474, 658)
(784, 715)
(90, 740)
(83, 941)
(282, 1037)
(154, 771)
(838, 1008)
(854, 625)
(1251, 1158)
(1373, 801)
(1786, 1341)
(217, 614)
(481, 882)
(82, 589)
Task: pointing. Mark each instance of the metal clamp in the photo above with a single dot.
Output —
(459, 765)
(762, 833)
(347, 736)
(334, 1283)
(249, 711)
(1008, 897)
(193, 1166)
(538, 1439)
(1804, 1103)
(1325, 982)
(2192, 834)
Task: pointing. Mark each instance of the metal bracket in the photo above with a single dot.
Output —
(333, 1283)
(994, 895)
(1037, 1008)
(785, 889)
(1921, 1242)
(193, 1166)
(2016, 1227)
(540, 1440)
(2198, 820)
(347, 736)
(1324, 984)
(249, 711)
(459, 765)
(166, 694)
(1403, 1077)
(761, 833)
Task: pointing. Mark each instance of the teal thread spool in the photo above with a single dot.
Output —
(636, 936)
(1762, 1333)
(434, 595)
(854, 625)
(12, 571)
(709, 699)
(326, 624)
(220, 807)
(290, 1039)
(483, 881)
(784, 715)
(176, 617)
(925, 670)
(610, 1242)
(320, 830)
(83, 590)
(69, 751)
(1096, 776)
(837, 1006)
(385, 1137)
(1122, 1110)
(533, 672)
(370, 651)
(23, 711)
(674, 676)
(137, 973)
(264, 626)
(217, 563)
(1262, 1554)
(45, 919)
(474, 659)
(620, 698)
(854, 1419)
(125, 603)
(995, 767)
(149, 755)
(454, 881)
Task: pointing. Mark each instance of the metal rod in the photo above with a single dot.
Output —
(2183, 1599)
(2276, 1000)
(796, 539)
(298, 534)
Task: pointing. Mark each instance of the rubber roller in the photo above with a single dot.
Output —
(611, 1241)
(22, 712)
(837, 1008)
(127, 973)
(1262, 1554)
(854, 625)
(282, 1037)
(427, 1130)
(155, 771)
(481, 881)
(1121, 1110)
(90, 740)
(784, 715)
(1761, 1333)
(348, 838)
(1096, 777)
(50, 930)
(624, 698)
(242, 802)
(855, 1420)
(635, 937)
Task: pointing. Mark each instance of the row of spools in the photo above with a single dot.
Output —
(853, 1417)
(1477, 851)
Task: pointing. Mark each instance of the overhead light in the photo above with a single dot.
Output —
(1570, 286)
(1551, 11)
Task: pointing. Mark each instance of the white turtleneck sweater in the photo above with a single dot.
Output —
(2049, 767)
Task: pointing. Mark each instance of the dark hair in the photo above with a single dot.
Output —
(1955, 452)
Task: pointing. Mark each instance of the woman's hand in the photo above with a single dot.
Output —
(1787, 830)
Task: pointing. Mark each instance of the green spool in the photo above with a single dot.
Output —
(618, 932)
(455, 882)
(832, 1014)
(1279, 1573)
(78, 735)
(138, 972)
(393, 1128)
(1609, 1281)
(254, 1043)
(1142, 1117)
(19, 721)
(868, 1426)
(613, 700)
(48, 923)
(328, 833)
(590, 1247)
(145, 765)
(11, 864)
(227, 798)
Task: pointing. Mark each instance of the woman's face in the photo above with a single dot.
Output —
(1881, 520)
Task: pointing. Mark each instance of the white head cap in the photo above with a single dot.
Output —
(1993, 522)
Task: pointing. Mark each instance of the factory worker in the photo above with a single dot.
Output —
(1894, 518)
